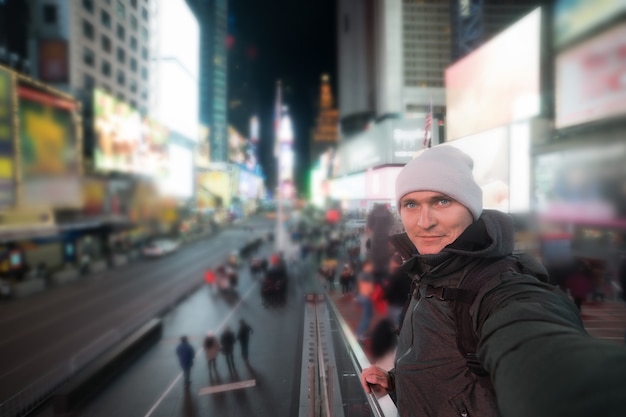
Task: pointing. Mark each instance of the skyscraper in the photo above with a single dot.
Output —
(213, 19)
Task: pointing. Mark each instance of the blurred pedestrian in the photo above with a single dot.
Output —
(243, 335)
(365, 284)
(227, 340)
(578, 283)
(211, 349)
(185, 353)
(397, 287)
(346, 278)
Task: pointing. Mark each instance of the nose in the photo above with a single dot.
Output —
(425, 219)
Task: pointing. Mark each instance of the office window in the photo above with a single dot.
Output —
(121, 77)
(120, 9)
(133, 64)
(133, 3)
(144, 13)
(105, 19)
(88, 82)
(144, 53)
(88, 57)
(133, 86)
(144, 34)
(88, 5)
(121, 97)
(133, 104)
(121, 32)
(105, 42)
(144, 73)
(121, 55)
(133, 22)
(105, 68)
(50, 15)
(88, 31)
(133, 43)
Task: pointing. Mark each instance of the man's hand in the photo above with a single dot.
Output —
(376, 380)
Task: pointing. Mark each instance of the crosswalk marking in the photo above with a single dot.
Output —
(227, 387)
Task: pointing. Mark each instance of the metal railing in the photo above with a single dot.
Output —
(380, 406)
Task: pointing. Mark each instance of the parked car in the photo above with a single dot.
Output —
(160, 247)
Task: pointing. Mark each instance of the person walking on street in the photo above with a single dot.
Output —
(346, 278)
(365, 288)
(211, 349)
(185, 353)
(243, 335)
(485, 334)
(227, 340)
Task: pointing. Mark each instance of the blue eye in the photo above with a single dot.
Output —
(443, 202)
(409, 204)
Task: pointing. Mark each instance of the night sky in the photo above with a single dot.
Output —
(294, 41)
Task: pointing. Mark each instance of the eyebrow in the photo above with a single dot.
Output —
(432, 199)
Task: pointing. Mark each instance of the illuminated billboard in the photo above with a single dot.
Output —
(175, 68)
(7, 169)
(590, 80)
(53, 59)
(497, 84)
(179, 182)
(49, 149)
(575, 18)
(582, 185)
(126, 142)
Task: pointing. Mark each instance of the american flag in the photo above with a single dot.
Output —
(428, 128)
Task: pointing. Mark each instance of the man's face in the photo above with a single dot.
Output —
(433, 220)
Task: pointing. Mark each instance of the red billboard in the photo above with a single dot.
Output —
(53, 61)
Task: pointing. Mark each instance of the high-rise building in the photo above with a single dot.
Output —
(212, 16)
(392, 54)
(325, 134)
(79, 45)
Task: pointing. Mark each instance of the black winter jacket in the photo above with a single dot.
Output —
(531, 341)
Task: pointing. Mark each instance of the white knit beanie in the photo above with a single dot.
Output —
(444, 169)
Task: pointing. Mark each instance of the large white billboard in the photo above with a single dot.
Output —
(177, 67)
(497, 84)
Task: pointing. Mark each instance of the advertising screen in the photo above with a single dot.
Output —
(7, 170)
(590, 80)
(118, 131)
(574, 18)
(496, 84)
(583, 185)
(50, 155)
(53, 60)
(490, 152)
(179, 182)
(213, 189)
(126, 142)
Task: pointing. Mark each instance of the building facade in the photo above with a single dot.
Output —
(212, 16)
(78, 45)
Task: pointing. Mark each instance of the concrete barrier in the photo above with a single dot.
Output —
(74, 393)
(29, 287)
